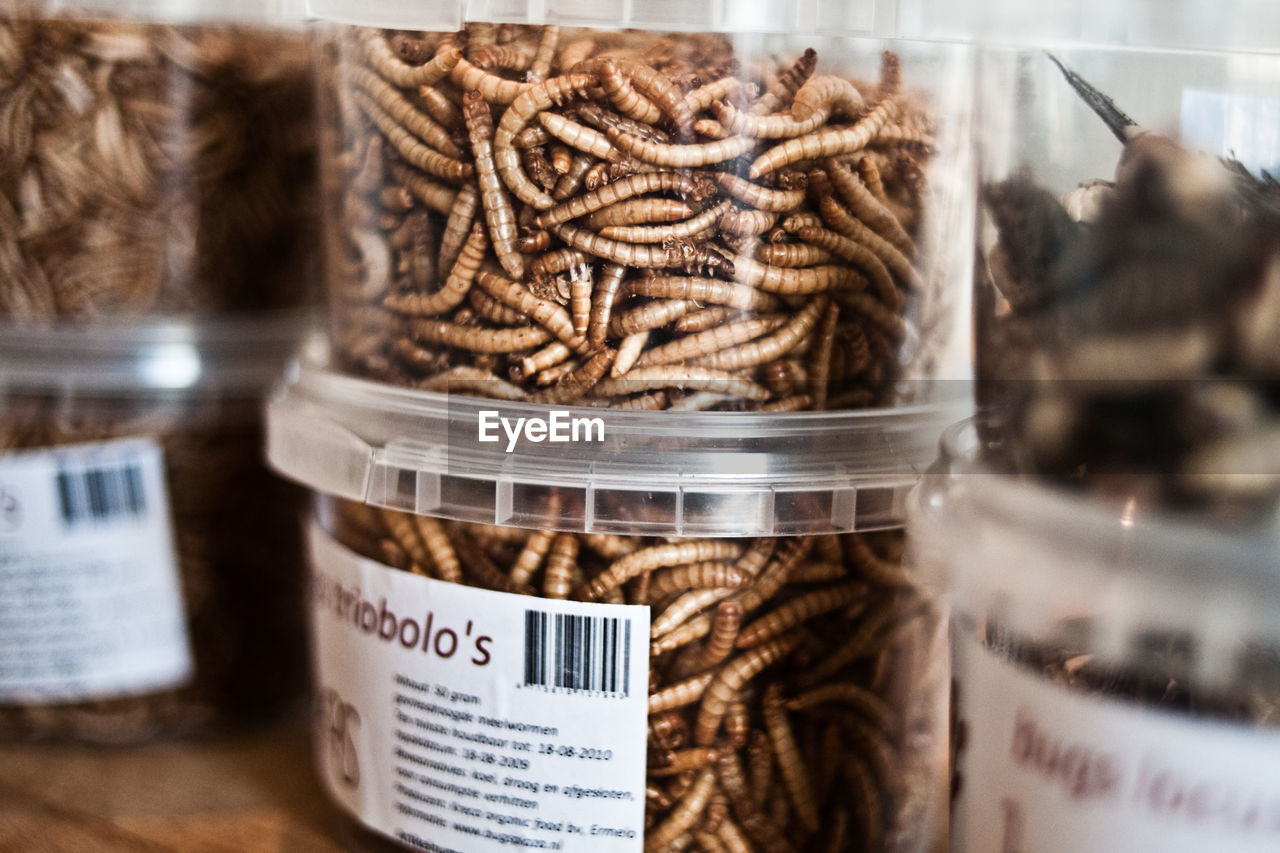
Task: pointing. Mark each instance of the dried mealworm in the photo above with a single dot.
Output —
(891, 324)
(639, 210)
(548, 315)
(580, 381)
(555, 373)
(725, 623)
(561, 158)
(455, 287)
(711, 341)
(534, 99)
(864, 560)
(561, 560)
(758, 197)
(652, 402)
(680, 376)
(796, 403)
(574, 53)
(820, 356)
(814, 103)
(557, 261)
(829, 142)
(650, 315)
(724, 89)
(772, 346)
(606, 292)
(683, 760)
(794, 281)
(700, 321)
(490, 309)
(685, 813)
(438, 545)
(791, 764)
(495, 89)
(680, 694)
(470, 338)
(493, 197)
(639, 254)
(406, 536)
(466, 378)
(581, 285)
(578, 136)
(628, 351)
(730, 679)
(866, 207)
(788, 83)
(691, 227)
(625, 99)
(539, 168)
(401, 110)
(682, 156)
(632, 185)
(414, 152)
(747, 223)
(863, 700)
(733, 839)
(438, 197)
(710, 290)
(459, 223)
(549, 356)
(545, 54)
(394, 70)
(757, 825)
(793, 255)
(510, 57)
(632, 564)
(439, 107)
(685, 606)
(796, 611)
(840, 219)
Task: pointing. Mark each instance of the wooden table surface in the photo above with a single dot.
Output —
(246, 793)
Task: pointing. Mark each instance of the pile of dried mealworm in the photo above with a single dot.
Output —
(618, 219)
(152, 169)
(791, 680)
(1130, 327)
(239, 556)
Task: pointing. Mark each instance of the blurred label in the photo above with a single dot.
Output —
(90, 601)
(461, 719)
(1240, 127)
(1045, 769)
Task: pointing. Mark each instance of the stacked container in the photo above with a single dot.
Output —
(1115, 647)
(156, 248)
(541, 619)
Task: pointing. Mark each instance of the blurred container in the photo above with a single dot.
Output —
(580, 237)
(793, 693)
(157, 158)
(1116, 670)
(1128, 299)
(151, 572)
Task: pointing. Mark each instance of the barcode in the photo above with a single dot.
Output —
(586, 653)
(100, 494)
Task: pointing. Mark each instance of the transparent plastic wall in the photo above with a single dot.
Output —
(726, 205)
(152, 567)
(1126, 299)
(158, 158)
(673, 628)
(1116, 668)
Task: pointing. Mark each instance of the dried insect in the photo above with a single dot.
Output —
(610, 194)
(639, 210)
(396, 71)
(540, 67)
(578, 136)
(683, 156)
(548, 315)
(790, 763)
(829, 142)
(557, 577)
(729, 680)
(413, 151)
(628, 566)
(650, 315)
(711, 341)
(692, 227)
(455, 288)
(770, 347)
(602, 299)
(787, 84)
(679, 694)
(797, 610)
(684, 814)
(532, 100)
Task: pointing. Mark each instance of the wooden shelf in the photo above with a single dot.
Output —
(244, 793)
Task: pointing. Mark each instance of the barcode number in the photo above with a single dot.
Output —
(577, 653)
(101, 494)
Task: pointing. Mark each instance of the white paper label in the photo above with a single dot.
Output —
(90, 601)
(1044, 769)
(461, 719)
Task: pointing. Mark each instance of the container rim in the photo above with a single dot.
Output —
(695, 473)
(285, 13)
(230, 353)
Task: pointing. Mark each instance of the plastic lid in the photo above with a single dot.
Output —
(1214, 25)
(1035, 560)
(248, 12)
(828, 17)
(228, 355)
(652, 473)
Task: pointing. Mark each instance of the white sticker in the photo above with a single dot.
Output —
(90, 601)
(462, 719)
(1045, 769)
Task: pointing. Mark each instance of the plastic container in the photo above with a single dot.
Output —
(1116, 669)
(158, 158)
(667, 638)
(580, 238)
(150, 575)
(1127, 301)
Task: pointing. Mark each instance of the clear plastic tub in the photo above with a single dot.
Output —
(157, 158)
(731, 206)
(1127, 301)
(150, 568)
(1116, 669)
(791, 691)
